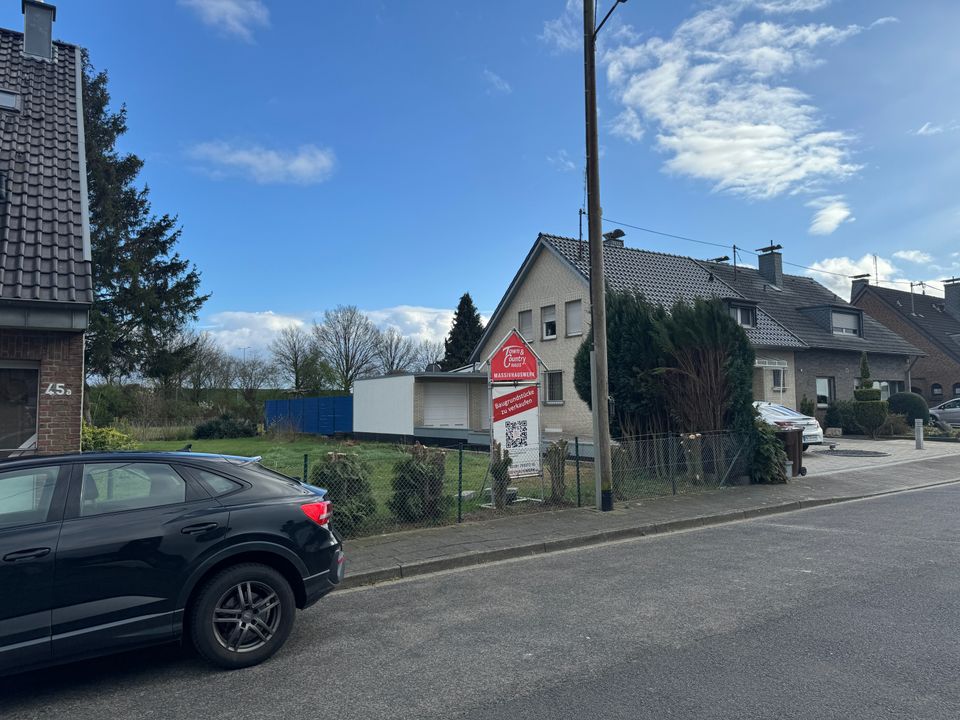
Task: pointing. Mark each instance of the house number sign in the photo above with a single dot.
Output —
(57, 389)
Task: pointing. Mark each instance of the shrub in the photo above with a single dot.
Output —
(808, 407)
(865, 381)
(225, 426)
(895, 425)
(840, 413)
(556, 457)
(346, 479)
(418, 484)
(911, 405)
(769, 460)
(870, 416)
(104, 439)
(866, 394)
(500, 462)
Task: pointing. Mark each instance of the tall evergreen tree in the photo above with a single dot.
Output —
(145, 292)
(464, 334)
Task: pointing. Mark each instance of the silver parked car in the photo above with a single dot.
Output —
(948, 412)
(783, 417)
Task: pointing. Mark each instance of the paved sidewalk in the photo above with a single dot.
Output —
(405, 554)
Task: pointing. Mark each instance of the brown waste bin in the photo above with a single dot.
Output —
(792, 439)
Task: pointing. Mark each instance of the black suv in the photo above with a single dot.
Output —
(109, 551)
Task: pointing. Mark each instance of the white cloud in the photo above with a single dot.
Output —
(914, 256)
(884, 21)
(496, 83)
(791, 6)
(832, 211)
(306, 165)
(233, 17)
(565, 33)
(716, 93)
(420, 323)
(628, 126)
(235, 330)
(835, 272)
(928, 128)
(560, 160)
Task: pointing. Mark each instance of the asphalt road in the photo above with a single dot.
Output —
(849, 611)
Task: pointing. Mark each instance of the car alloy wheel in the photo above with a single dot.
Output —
(246, 617)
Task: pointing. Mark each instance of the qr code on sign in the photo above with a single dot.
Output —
(516, 433)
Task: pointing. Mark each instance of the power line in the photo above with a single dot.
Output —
(742, 250)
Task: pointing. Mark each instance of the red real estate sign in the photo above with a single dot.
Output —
(522, 400)
(513, 361)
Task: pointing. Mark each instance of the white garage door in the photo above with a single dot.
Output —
(445, 404)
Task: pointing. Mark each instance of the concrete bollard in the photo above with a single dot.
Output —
(918, 432)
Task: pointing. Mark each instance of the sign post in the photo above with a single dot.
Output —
(515, 403)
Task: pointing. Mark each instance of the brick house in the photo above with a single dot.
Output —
(930, 323)
(45, 259)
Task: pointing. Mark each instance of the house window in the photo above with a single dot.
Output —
(846, 323)
(956, 389)
(554, 383)
(573, 320)
(779, 379)
(548, 316)
(936, 390)
(826, 391)
(19, 393)
(525, 323)
(896, 386)
(8, 100)
(745, 315)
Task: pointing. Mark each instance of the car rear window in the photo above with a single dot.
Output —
(217, 484)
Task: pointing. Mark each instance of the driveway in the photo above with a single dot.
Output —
(895, 452)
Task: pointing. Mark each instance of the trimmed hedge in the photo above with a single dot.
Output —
(104, 439)
(867, 394)
(870, 416)
(224, 427)
(911, 405)
(346, 480)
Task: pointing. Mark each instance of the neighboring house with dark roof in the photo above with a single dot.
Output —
(45, 264)
(804, 336)
(834, 332)
(931, 323)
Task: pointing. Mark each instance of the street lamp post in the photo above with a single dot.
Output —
(603, 466)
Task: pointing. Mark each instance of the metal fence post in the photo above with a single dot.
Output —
(576, 451)
(306, 467)
(918, 433)
(460, 485)
(672, 454)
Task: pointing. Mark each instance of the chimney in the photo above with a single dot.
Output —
(38, 20)
(614, 238)
(859, 283)
(771, 265)
(951, 296)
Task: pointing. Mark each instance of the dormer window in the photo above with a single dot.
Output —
(845, 323)
(9, 100)
(745, 315)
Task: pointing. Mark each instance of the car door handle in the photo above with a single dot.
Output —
(201, 528)
(31, 554)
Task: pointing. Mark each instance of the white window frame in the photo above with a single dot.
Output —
(544, 311)
(527, 333)
(550, 377)
(782, 385)
(566, 317)
(831, 391)
(737, 312)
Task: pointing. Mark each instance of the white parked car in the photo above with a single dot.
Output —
(782, 416)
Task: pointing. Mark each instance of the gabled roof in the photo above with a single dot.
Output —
(44, 232)
(926, 313)
(661, 278)
(799, 294)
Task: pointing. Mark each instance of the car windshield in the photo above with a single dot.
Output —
(781, 410)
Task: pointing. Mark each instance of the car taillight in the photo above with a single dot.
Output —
(320, 512)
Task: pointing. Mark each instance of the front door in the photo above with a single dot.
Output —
(31, 505)
(131, 534)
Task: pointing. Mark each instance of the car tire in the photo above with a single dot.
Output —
(806, 446)
(263, 605)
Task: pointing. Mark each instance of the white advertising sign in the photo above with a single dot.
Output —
(516, 426)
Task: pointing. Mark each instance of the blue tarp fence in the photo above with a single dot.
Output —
(316, 416)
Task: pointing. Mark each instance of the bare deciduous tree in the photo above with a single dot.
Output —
(201, 374)
(296, 360)
(347, 341)
(395, 352)
(429, 352)
(252, 374)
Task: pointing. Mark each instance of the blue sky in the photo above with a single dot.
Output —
(393, 155)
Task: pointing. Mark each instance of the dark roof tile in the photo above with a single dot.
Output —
(42, 214)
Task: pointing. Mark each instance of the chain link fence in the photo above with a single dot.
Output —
(416, 486)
